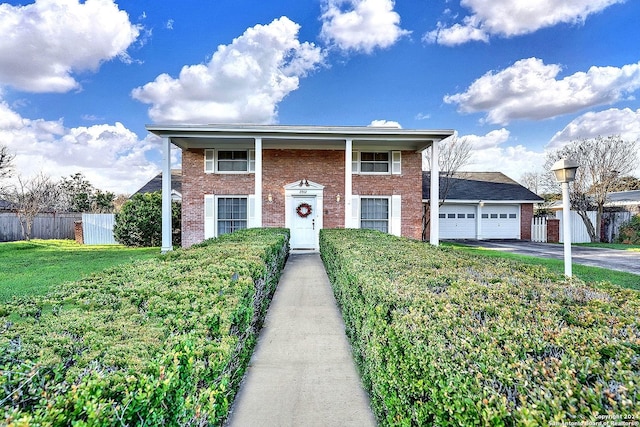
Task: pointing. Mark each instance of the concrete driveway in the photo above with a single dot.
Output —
(627, 261)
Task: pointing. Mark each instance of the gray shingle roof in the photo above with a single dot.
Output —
(155, 184)
(631, 196)
(481, 186)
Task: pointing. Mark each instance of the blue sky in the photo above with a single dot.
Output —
(79, 80)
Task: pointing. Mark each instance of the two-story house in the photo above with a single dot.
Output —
(305, 178)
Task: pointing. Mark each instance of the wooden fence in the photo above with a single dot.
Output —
(97, 229)
(45, 226)
(539, 229)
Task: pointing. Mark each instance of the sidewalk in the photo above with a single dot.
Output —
(302, 372)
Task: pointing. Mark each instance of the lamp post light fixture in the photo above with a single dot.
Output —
(565, 171)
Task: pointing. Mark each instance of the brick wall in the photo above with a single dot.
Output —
(281, 167)
(526, 217)
(553, 230)
(408, 185)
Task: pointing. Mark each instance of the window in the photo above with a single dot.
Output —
(382, 162)
(503, 216)
(374, 214)
(229, 161)
(451, 215)
(471, 216)
(232, 214)
(442, 215)
(461, 215)
(485, 216)
(512, 216)
(494, 216)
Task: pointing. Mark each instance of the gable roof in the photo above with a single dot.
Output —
(478, 186)
(155, 184)
(624, 197)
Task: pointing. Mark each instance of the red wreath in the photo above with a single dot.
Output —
(304, 210)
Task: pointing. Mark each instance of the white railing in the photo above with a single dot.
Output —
(539, 229)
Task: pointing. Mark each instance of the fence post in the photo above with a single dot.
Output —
(553, 230)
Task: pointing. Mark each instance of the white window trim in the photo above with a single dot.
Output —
(211, 162)
(395, 163)
(211, 207)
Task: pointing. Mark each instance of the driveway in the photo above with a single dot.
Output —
(627, 261)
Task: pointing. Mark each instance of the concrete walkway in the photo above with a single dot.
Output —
(302, 372)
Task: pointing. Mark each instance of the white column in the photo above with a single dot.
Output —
(167, 245)
(566, 228)
(479, 220)
(348, 183)
(434, 202)
(258, 183)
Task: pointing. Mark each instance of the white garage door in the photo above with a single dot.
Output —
(457, 222)
(501, 222)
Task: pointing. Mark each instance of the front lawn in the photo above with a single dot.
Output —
(592, 275)
(34, 267)
(445, 337)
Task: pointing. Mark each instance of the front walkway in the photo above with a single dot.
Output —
(302, 372)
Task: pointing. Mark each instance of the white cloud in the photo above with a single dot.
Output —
(243, 81)
(529, 89)
(44, 43)
(361, 25)
(613, 121)
(508, 18)
(491, 154)
(111, 156)
(385, 124)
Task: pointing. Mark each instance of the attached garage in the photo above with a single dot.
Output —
(482, 205)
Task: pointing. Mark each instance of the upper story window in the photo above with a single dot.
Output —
(229, 161)
(377, 162)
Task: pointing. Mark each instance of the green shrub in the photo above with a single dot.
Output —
(446, 338)
(630, 232)
(159, 342)
(139, 223)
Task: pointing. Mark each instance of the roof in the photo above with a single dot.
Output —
(477, 186)
(624, 197)
(331, 137)
(155, 184)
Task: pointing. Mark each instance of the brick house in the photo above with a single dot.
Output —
(304, 178)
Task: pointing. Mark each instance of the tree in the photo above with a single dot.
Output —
(626, 183)
(79, 195)
(29, 197)
(6, 162)
(139, 222)
(454, 154)
(532, 181)
(602, 161)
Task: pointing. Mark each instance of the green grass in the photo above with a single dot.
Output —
(592, 275)
(619, 246)
(32, 268)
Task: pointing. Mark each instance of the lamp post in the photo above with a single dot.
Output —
(565, 171)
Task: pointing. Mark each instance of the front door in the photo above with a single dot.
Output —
(303, 222)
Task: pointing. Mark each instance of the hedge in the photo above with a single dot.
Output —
(160, 342)
(446, 338)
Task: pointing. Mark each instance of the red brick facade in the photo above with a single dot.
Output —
(526, 217)
(284, 166)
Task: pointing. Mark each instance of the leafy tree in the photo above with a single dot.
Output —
(630, 232)
(29, 197)
(139, 222)
(626, 183)
(79, 195)
(602, 161)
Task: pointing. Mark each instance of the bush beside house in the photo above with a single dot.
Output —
(139, 222)
(629, 233)
(160, 342)
(444, 338)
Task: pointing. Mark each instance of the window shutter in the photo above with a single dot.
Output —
(355, 162)
(209, 216)
(396, 162)
(355, 212)
(396, 215)
(251, 211)
(209, 161)
(252, 161)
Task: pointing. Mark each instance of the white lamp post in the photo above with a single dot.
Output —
(565, 171)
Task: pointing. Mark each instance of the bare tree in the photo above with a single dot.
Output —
(6, 162)
(454, 154)
(532, 181)
(602, 162)
(31, 196)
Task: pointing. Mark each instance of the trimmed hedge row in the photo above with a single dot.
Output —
(446, 338)
(160, 342)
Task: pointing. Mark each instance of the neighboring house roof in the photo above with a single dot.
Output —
(481, 186)
(620, 198)
(155, 184)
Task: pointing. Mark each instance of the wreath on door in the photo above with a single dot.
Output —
(303, 210)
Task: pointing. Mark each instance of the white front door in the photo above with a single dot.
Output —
(304, 222)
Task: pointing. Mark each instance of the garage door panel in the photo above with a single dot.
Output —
(457, 222)
(501, 222)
